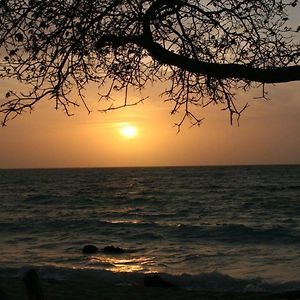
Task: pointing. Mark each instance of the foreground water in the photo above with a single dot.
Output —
(223, 228)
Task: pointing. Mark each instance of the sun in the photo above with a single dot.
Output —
(128, 131)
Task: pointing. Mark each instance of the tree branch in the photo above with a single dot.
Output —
(216, 70)
(220, 71)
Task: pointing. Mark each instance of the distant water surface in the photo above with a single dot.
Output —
(242, 222)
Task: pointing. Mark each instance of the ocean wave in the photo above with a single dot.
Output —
(213, 281)
(240, 221)
(238, 232)
(143, 229)
(37, 198)
(273, 188)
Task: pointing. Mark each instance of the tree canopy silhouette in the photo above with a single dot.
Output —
(204, 50)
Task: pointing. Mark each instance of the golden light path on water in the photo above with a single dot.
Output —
(119, 265)
(125, 222)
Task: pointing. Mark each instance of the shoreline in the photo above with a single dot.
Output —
(96, 288)
(85, 289)
(211, 282)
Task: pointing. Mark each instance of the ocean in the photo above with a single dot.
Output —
(233, 228)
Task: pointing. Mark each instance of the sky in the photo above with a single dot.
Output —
(268, 133)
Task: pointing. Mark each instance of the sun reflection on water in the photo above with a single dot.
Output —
(117, 221)
(118, 264)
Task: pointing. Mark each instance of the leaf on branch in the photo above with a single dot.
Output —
(12, 52)
(294, 4)
(43, 24)
(19, 37)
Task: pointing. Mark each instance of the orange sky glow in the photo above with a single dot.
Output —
(268, 134)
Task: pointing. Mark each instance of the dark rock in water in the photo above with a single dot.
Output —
(33, 285)
(113, 250)
(89, 249)
(154, 280)
(3, 295)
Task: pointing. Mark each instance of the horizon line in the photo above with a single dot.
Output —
(154, 166)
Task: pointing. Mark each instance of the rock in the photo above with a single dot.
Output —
(89, 249)
(113, 250)
(154, 280)
(33, 285)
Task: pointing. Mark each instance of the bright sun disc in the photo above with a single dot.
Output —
(129, 131)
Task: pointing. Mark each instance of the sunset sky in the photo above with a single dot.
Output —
(268, 134)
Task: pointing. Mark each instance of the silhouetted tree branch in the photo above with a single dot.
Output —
(204, 50)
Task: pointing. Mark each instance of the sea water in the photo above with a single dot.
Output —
(219, 228)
